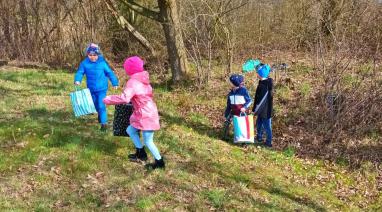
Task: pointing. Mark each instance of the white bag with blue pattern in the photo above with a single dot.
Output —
(82, 102)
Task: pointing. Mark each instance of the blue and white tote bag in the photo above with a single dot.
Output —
(82, 102)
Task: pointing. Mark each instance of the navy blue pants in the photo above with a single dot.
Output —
(100, 106)
(264, 124)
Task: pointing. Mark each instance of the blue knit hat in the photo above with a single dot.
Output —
(93, 49)
(236, 79)
(263, 70)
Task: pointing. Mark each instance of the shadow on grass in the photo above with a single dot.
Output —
(204, 129)
(31, 77)
(205, 165)
(200, 128)
(202, 162)
(300, 200)
(58, 129)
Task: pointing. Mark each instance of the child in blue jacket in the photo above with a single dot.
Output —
(238, 99)
(97, 73)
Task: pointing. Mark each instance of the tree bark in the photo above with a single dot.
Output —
(168, 17)
(126, 25)
(7, 42)
(175, 45)
(57, 12)
(229, 50)
(154, 15)
(24, 21)
(35, 12)
(330, 13)
(6, 25)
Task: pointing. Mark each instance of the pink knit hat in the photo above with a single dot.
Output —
(133, 65)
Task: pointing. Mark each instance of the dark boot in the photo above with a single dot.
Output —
(157, 164)
(268, 144)
(140, 154)
(103, 128)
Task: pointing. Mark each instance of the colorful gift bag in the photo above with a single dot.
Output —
(82, 102)
(243, 129)
(121, 121)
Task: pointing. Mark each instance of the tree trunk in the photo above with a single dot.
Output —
(56, 55)
(24, 20)
(175, 46)
(229, 50)
(127, 26)
(6, 25)
(35, 13)
(7, 41)
(330, 13)
(24, 35)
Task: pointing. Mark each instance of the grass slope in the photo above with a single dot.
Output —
(50, 160)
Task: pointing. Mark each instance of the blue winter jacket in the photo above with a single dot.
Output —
(237, 99)
(96, 74)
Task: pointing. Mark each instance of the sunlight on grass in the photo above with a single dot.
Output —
(50, 160)
(305, 89)
(284, 93)
(216, 197)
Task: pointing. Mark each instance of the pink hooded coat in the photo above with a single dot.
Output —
(139, 92)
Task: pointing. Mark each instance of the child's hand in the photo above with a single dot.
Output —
(106, 100)
(242, 110)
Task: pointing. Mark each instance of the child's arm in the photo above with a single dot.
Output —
(124, 98)
(248, 100)
(79, 74)
(110, 74)
(260, 93)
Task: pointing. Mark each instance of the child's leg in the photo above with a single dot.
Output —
(259, 128)
(268, 130)
(134, 135)
(94, 97)
(148, 136)
(102, 113)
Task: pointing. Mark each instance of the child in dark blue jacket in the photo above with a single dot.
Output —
(97, 73)
(264, 104)
(238, 99)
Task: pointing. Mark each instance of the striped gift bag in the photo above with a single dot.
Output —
(243, 129)
(82, 102)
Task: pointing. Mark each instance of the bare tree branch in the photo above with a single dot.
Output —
(142, 10)
(127, 26)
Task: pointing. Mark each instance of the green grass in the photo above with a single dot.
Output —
(284, 93)
(305, 89)
(50, 160)
(217, 197)
(365, 69)
(301, 68)
(350, 80)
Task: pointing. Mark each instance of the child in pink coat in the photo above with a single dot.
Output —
(145, 116)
